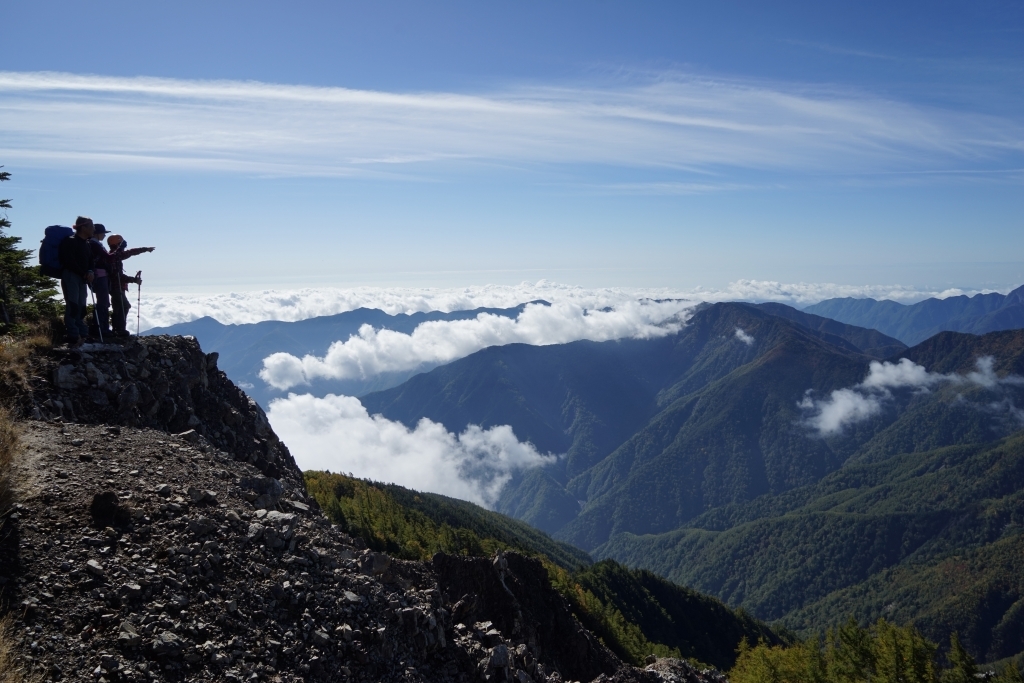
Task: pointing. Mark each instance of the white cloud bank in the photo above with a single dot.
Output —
(744, 337)
(371, 351)
(863, 401)
(336, 433)
(161, 310)
(673, 121)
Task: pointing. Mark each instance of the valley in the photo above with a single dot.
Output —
(803, 468)
(697, 456)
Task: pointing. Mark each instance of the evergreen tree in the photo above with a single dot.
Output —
(1010, 674)
(902, 655)
(26, 296)
(962, 666)
(850, 653)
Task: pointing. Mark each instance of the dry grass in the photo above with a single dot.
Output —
(15, 365)
(12, 669)
(15, 369)
(13, 376)
(14, 362)
(8, 445)
(15, 359)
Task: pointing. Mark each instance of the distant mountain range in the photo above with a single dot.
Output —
(914, 323)
(697, 455)
(692, 455)
(668, 426)
(243, 347)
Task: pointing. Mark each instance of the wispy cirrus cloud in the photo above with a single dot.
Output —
(676, 122)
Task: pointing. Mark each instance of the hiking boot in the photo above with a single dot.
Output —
(75, 343)
(122, 333)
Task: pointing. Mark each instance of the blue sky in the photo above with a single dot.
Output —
(597, 143)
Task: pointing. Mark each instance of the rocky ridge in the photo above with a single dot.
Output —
(166, 534)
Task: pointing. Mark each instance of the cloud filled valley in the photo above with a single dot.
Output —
(336, 433)
(848, 406)
(375, 351)
(308, 368)
(235, 308)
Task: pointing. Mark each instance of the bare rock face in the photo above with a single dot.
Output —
(164, 383)
(169, 536)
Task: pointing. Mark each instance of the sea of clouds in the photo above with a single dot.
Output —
(336, 433)
(867, 399)
(164, 309)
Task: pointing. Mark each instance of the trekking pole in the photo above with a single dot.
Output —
(120, 295)
(96, 314)
(138, 305)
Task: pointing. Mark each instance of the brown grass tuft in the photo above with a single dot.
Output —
(8, 445)
(16, 358)
(12, 669)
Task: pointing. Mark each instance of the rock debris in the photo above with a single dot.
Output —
(168, 536)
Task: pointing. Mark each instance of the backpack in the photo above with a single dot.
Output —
(49, 256)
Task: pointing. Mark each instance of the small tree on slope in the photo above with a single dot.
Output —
(26, 296)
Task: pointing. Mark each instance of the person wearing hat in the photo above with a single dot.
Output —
(76, 261)
(101, 281)
(119, 251)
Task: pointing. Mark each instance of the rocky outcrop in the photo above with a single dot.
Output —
(168, 536)
(510, 594)
(164, 383)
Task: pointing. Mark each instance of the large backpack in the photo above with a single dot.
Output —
(49, 248)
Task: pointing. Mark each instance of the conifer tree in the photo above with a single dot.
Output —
(26, 296)
(962, 666)
(850, 653)
(1010, 674)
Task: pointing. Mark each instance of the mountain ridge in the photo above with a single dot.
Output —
(917, 322)
(634, 612)
(727, 486)
(243, 346)
(585, 399)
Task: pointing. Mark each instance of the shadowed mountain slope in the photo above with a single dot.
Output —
(867, 341)
(653, 430)
(932, 538)
(924, 522)
(913, 509)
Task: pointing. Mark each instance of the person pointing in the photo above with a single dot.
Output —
(119, 251)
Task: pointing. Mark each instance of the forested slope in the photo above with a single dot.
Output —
(653, 431)
(934, 538)
(635, 612)
(735, 484)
